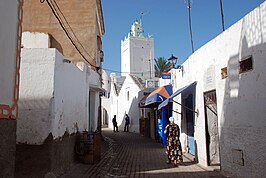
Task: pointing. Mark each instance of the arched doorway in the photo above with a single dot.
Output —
(105, 118)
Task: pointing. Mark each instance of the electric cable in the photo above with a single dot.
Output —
(71, 28)
(73, 43)
(61, 23)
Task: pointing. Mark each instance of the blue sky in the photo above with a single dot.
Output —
(167, 21)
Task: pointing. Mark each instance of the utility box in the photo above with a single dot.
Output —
(93, 154)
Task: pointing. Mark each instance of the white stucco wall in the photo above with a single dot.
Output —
(8, 50)
(70, 98)
(106, 83)
(121, 105)
(106, 106)
(243, 124)
(35, 40)
(113, 102)
(125, 56)
(113, 107)
(240, 97)
(106, 102)
(53, 96)
(129, 106)
(94, 88)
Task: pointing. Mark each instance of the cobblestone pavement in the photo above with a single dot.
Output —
(126, 154)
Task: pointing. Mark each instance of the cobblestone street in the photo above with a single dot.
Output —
(126, 154)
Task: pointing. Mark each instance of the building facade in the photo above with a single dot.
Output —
(83, 22)
(226, 124)
(137, 66)
(106, 107)
(137, 53)
(61, 82)
(124, 100)
(54, 111)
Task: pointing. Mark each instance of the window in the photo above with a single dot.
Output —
(224, 72)
(246, 65)
(100, 52)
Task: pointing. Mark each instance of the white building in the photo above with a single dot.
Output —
(137, 53)
(229, 98)
(124, 100)
(58, 100)
(137, 65)
(106, 107)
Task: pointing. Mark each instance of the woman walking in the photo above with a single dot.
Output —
(174, 150)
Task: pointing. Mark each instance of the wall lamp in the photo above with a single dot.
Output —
(173, 61)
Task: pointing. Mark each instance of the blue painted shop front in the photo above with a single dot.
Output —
(166, 112)
(153, 100)
(187, 111)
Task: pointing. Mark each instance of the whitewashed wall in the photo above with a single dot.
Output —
(130, 106)
(113, 99)
(135, 55)
(240, 97)
(35, 40)
(94, 82)
(242, 115)
(106, 106)
(113, 107)
(106, 102)
(120, 105)
(106, 82)
(8, 51)
(125, 56)
(70, 98)
(53, 96)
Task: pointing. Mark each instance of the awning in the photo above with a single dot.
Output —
(165, 103)
(159, 95)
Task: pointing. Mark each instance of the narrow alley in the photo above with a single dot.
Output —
(126, 154)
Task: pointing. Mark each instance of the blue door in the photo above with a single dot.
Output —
(165, 114)
(190, 124)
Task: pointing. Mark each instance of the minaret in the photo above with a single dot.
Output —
(137, 53)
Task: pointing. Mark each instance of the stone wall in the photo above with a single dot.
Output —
(80, 15)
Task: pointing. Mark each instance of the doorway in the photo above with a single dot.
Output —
(212, 134)
(190, 124)
(105, 118)
(91, 121)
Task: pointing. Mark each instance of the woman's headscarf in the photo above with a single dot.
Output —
(171, 119)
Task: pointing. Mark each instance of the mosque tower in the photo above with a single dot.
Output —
(137, 53)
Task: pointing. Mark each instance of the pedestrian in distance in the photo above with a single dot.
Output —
(173, 147)
(115, 124)
(126, 123)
